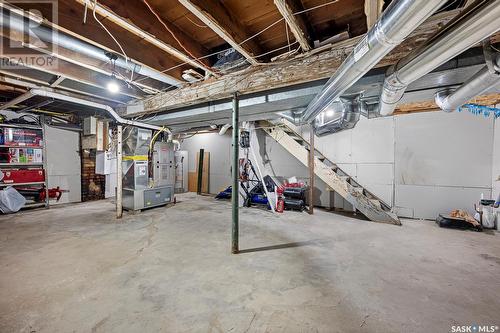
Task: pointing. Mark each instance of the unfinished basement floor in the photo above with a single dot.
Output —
(74, 269)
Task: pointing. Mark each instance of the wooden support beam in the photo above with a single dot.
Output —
(155, 34)
(373, 10)
(296, 23)
(216, 16)
(427, 106)
(306, 68)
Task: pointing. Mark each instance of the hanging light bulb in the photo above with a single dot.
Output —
(113, 86)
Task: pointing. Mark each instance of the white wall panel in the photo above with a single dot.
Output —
(444, 149)
(63, 162)
(429, 201)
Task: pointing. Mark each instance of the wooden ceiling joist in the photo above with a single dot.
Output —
(154, 39)
(297, 25)
(373, 11)
(306, 68)
(216, 16)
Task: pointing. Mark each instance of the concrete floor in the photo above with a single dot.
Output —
(74, 269)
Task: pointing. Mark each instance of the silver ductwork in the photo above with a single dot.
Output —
(486, 78)
(471, 27)
(50, 93)
(340, 115)
(396, 23)
(17, 22)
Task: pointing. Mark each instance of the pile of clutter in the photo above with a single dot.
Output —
(291, 195)
(486, 216)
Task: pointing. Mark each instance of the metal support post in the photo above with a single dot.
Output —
(311, 170)
(119, 176)
(236, 176)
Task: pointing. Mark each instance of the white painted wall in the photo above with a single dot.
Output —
(423, 164)
(63, 163)
(219, 147)
(496, 159)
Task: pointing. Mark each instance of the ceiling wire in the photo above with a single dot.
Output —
(251, 37)
(171, 32)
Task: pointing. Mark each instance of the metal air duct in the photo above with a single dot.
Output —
(345, 115)
(396, 23)
(470, 28)
(20, 23)
(480, 82)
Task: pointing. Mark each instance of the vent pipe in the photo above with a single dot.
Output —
(396, 23)
(471, 27)
(486, 78)
(46, 92)
(14, 20)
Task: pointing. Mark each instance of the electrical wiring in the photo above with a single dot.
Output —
(171, 32)
(251, 37)
(112, 37)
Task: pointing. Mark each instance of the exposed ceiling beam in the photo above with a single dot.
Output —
(294, 71)
(216, 16)
(296, 23)
(70, 20)
(27, 82)
(57, 81)
(373, 10)
(157, 41)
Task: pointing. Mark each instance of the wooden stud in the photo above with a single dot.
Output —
(297, 25)
(216, 16)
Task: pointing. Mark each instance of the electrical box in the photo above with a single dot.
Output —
(90, 126)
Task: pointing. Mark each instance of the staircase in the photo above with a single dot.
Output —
(339, 181)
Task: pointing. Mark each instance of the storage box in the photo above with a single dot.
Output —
(22, 137)
(12, 176)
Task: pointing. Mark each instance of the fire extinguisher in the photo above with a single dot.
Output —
(280, 204)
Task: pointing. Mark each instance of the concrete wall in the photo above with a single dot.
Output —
(423, 164)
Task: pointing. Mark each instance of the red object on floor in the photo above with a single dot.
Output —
(54, 193)
(13, 176)
(280, 205)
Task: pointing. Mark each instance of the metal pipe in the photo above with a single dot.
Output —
(45, 92)
(236, 175)
(487, 77)
(13, 19)
(311, 170)
(396, 23)
(119, 176)
(470, 28)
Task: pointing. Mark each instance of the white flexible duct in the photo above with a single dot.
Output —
(473, 26)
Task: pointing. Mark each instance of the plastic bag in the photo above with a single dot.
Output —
(488, 217)
(11, 201)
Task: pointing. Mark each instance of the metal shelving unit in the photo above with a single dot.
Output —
(43, 164)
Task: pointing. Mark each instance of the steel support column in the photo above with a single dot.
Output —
(311, 169)
(119, 206)
(236, 176)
